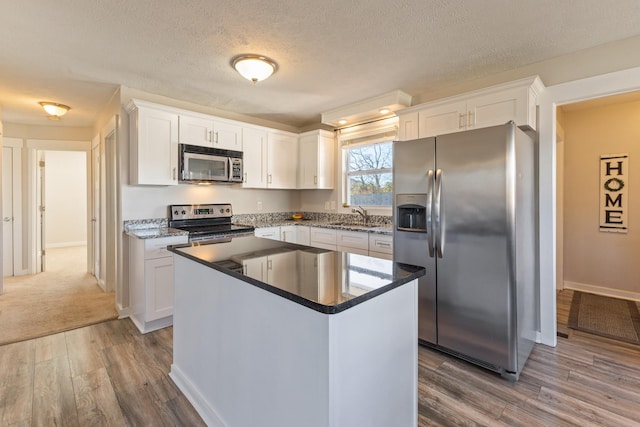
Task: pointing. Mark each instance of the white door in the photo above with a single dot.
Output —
(7, 211)
(95, 207)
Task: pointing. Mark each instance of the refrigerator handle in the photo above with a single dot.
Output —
(439, 215)
(429, 213)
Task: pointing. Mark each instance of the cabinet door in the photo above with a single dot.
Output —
(158, 277)
(288, 233)
(254, 162)
(227, 136)
(302, 235)
(408, 126)
(316, 160)
(322, 238)
(498, 108)
(381, 243)
(155, 148)
(281, 270)
(353, 239)
(442, 119)
(308, 162)
(255, 268)
(196, 131)
(282, 164)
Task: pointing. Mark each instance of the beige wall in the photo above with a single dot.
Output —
(593, 260)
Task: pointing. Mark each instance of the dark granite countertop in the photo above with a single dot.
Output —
(323, 280)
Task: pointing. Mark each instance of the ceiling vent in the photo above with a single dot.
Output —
(375, 108)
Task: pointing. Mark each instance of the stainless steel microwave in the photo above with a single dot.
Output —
(204, 165)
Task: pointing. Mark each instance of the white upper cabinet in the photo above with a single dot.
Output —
(515, 101)
(315, 164)
(254, 159)
(206, 132)
(282, 160)
(153, 144)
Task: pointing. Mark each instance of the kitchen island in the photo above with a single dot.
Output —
(274, 334)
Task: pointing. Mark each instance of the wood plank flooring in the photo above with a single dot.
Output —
(110, 375)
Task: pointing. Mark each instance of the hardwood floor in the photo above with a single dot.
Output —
(108, 374)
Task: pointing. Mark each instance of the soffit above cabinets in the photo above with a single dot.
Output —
(367, 109)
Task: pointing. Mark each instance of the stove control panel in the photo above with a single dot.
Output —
(180, 212)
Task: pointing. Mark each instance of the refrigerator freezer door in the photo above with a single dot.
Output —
(475, 294)
(413, 165)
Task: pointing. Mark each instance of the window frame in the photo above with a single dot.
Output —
(384, 130)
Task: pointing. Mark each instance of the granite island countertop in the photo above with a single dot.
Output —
(323, 280)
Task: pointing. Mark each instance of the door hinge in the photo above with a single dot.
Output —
(41, 208)
(41, 163)
(43, 252)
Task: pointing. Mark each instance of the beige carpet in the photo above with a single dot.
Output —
(62, 298)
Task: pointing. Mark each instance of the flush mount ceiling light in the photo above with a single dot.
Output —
(254, 67)
(54, 110)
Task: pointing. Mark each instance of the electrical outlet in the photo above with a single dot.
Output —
(327, 206)
(259, 205)
(333, 205)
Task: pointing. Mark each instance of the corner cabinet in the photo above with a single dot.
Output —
(316, 160)
(151, 281)
(515, 101)
(153, 144)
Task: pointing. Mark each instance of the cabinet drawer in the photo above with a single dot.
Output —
(157, 248)
(352, 239)
(268, 233)
(322, 235)
(381, 243)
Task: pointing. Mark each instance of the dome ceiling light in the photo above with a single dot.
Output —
(54, 110)
(254, 67)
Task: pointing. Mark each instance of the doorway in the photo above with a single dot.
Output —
(588, 259)
(62, 206)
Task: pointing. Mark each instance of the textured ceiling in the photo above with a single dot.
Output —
(330, 53)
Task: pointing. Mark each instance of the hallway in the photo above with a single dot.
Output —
(62, 298)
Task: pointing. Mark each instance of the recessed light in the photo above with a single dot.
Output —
(384, 111)
(342, 122)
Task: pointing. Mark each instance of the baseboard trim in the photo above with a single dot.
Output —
(599, 290)
(65, 245)
(193, 395)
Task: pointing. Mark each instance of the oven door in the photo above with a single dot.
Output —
(204, 167)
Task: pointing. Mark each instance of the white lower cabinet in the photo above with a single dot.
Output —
(295, 234)
(151, 282)
(353, 242)
(323, 238)
(268, 233)
(381, 246)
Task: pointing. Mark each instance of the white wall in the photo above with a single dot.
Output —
(65, 198)
(594, 260)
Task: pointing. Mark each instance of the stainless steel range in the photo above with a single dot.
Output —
(205, 222)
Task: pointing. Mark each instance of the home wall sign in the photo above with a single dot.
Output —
(614, 192)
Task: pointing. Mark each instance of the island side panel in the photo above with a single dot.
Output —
(244, 356)
(374, 361)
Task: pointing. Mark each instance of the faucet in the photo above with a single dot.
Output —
(362, 212)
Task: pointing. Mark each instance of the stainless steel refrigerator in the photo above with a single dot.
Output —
(464, 208)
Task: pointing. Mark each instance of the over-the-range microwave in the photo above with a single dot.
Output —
(204, 165)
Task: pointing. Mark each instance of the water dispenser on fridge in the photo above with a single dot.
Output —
(412, 212)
